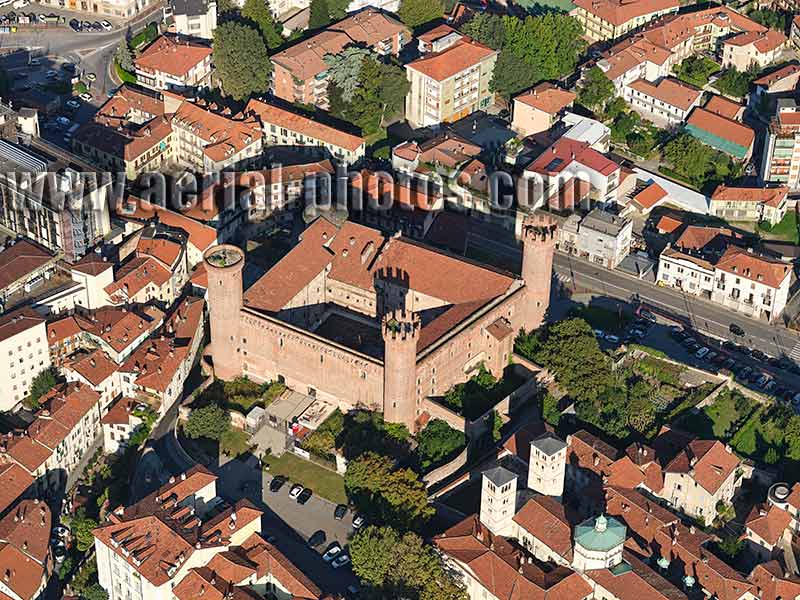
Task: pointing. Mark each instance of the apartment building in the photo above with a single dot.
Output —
(23, 267)
(174, 63)
(767, 531)
(26, 559)
(610, 19)
(781, 162)
(600, 237)
(538, 109)
(753, 49)
(753, 204)
(451, 81)
(195, 18)
(667, 102)
(95, 369)
(685, 271)
(284, 127)
(54, 444)
(23, 354)
(726, 135)
(208, 139)
(156, 371)
(751, 284)
(300, 73)
(119, 422)
(33, 188)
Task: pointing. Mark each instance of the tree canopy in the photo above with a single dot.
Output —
(319, 14)
(82, 526)
(700, 165)
(260, 14)
(487, 28)
(418, 12)
(210, 422)
(595, 90)
(241, 59)
(40, 385)
(395, 497)
(401, 566)
(736, 83)
(438, 441)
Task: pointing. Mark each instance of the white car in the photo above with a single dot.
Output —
(612, 339)
(73, 104)
(106, 25)
(332, 552)
(358, 520)
(295, 491)
(599, 334)
(340, 561)
(702, 352)
(86, 97)
(91, 77)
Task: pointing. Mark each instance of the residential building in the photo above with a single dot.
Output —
(667, 102)
(300, 73)
(174, 63)
(725, 108)
(754, 285)
(538, 109)
(451, 81)
(95, 369)
(156, 371)
(569, 163)
(195, 18)
(119, 423)
(26, 560)
(53, 445)
(611, 19)
(15, 481)
(752, 49)
(210, 139)
(34, 210)
(283, 127)
(600, 237)
(781, 81)
(24, 266)
(794, 32)
(686, 271)
(735, 204)
(129, 133)
(726, 135)
(768, 530)
(782, 147)
(23, 354)
(92, 274)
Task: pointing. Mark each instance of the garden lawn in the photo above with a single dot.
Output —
(696, 70)
(718, 419)
(322, 481)
(786, 229)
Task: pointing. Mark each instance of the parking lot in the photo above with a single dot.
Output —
(772, 376)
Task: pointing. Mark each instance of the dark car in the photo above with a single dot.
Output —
(759, 355)
(735, 329)
(317, 538)
(305, 496)
(339, 512)
(75, 25)
(276, 483)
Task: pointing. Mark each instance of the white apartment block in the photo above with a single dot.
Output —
(667, 102)
(600, 237)
(691, 274)
(24, 353)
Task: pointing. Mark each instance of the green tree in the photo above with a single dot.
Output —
(418, 12)
(736, 83)
(642, 142)
(511, 75)
(94, 592)
(401, 566)
(46, 380)
(730, 546)
(791, 438)
(82, 526)
(241, 60)
(550, 412)
(595, 90)
(319, 14)
(773, 19)
(258, 12)
(641, 408)
(344, 70)
(225, 6)
(397, 431)
(624, 125)
(497, 426)
(395, 497)
(211, 422)
(124, 57)
(438, 441)
(487, 28)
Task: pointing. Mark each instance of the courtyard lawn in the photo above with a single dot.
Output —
(719, 419)
(322, 481)
(762, 432)
(696, 70)
(785, 230)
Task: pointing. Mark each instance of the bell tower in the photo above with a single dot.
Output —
(400, 330)
(538, 246)
(224, 265)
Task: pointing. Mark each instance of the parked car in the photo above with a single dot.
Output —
(358, 521)
(711, 356)
(317, 538)
(340, 561)
(762, 380)
(75, 25)
(295, 491)
(86, 97)
(86, 25)
(91, 77)
(759, 355)
(599, 334)
(730, 364)
(73, 104)
(277, 483)
(63, 122)
(333, 550)
(612, 339)
(689, 341)
(34, 62)
(305, 496)
(646, 314)
(106, 25)
(339, 512)
(701, 352)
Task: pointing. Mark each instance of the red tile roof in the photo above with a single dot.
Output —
(724, 107)
(169, 55)
(14, 481)
(464, 54)
(223, 136)
(135, 275)
(723, 128)
(20, 260)
(669, 91)
(545, 519)
(768, 522)
(119, 413)
(764, 41)
(17, 321)
(772, 196)
(566, 151)
(742, 263)
(201, 236)
(618, 12)
(771, 579)
(636, 581)
(650, 196)
(93, 366)
(709, 463)
(547, 98)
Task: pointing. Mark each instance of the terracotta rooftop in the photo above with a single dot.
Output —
(120, 327)
(545, 519)
(742, 263)
(566, 151)
(136, 275)
(17, 321)
(119, 413)
(670, 91)
(168, 54)
(708, 462)
(271, 114)
(547, 98)
(634, 580)
(771, 578)
(618, 12)
(773, 196)
(768, 522)
(14, 481)
(726, 129)
(724, 107)
(464, 54)
(131, 102)
(93, 366)
(770, 79)
(223, 135)
(650, 196)
(764, 41)
(20, 260)
(271, 561)
(668, 224)
(201, 236)
(92, 264)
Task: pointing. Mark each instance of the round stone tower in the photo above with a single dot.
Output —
(400, 330)
(224, 265)
(539, 243)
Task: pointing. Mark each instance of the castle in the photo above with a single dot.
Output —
(359, 319)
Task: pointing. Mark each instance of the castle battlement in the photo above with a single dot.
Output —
(401, 325)
(540, 228)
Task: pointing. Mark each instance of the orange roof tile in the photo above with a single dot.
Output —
(14, 481)
(545, 518)
(547, 98)
(709, 463)
(94, 366)
(119, 413)
(724, 107)
(17, 321)
(772, 196)
(753, 267)
(618, 12)
(169, 55)
(223, 136)
(669, 91)
(723, 128)
(201, 236)
(768, 522)
(20, 260)
(464, 54)
(650, 196)
(136, 275)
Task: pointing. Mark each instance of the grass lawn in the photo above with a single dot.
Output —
(786, 229)
(762, 431)
(719, 419)
(324, 482)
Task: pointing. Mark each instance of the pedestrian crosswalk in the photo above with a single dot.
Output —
(563, 278)
(795, 353)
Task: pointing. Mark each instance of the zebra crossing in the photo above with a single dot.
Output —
(567, 279)
(795, 352)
